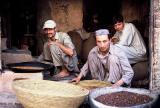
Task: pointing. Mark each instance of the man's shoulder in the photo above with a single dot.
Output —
(129, 27)
(93, 50)
(129, 24)
(63, 35)
(115, 49)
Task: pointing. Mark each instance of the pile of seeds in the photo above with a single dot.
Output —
(123, 99)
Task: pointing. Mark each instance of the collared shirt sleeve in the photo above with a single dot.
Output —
(127, 71)
(85, 69)
(66, 40)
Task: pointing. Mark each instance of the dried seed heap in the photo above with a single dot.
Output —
(123, 99)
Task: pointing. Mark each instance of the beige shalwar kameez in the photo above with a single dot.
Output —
(55, 54)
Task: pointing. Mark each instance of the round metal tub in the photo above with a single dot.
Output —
(101, 91)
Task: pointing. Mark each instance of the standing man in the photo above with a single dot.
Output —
(107, 62)
(59, 49)
(129, 39)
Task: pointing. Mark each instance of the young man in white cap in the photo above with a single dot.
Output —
(60, 50)
(129, 40)
(107, 62)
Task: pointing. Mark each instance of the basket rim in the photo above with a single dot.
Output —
(84, 92)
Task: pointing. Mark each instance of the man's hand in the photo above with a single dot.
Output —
(64, 48)
(114, 39)
(77, 79)
(118, 83)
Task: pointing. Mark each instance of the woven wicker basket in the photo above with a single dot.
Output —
(48, 94)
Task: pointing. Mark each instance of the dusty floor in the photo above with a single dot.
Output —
(8, 96)
(6, 80)
(7, 77)
(7, 93)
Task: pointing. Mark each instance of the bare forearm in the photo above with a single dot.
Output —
(66, 50)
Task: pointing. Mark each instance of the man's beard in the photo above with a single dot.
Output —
(50, 37)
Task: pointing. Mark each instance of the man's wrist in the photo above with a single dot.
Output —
(119, 83)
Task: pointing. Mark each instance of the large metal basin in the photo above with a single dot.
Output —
(100, 91)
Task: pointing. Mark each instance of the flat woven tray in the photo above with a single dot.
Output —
(92, 84)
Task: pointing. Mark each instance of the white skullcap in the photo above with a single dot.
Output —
(102, 32)
(49, 24)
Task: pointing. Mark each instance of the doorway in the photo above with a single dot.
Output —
(23, 24)
(98, 14)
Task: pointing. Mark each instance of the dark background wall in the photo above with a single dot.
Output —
(103, 10)
(24, 18)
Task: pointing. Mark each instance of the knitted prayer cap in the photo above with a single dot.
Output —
(102, 32)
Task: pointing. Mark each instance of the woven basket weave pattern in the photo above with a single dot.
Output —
(49, 94)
